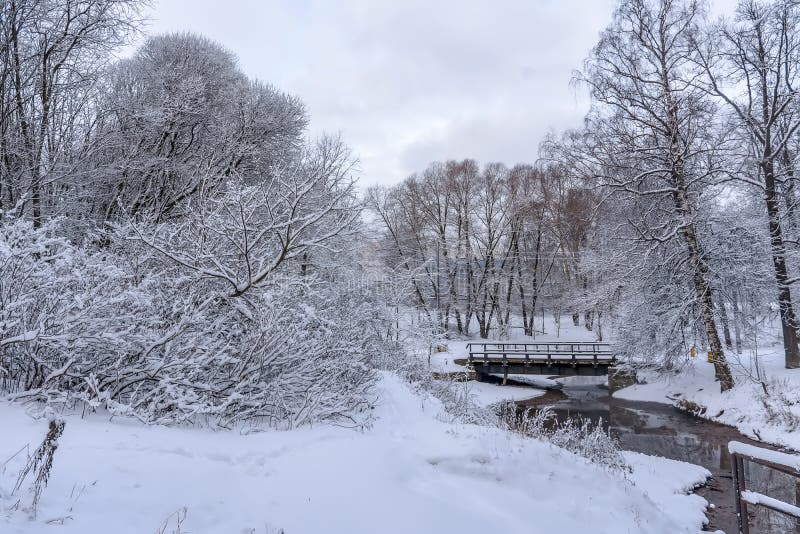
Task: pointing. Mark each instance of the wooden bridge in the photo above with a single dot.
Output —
(564, 358)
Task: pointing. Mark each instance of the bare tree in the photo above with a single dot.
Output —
(52, 56)
(752, 66)
(244, 235)
(479, 243)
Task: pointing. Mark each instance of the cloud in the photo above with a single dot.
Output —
(410, 82)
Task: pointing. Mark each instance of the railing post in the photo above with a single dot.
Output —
(739, 487)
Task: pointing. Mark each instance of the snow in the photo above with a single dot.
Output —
(654, 475)
(486, 394)
(582, 380)
(536, 381)
(776, 457)
(30, 335)
(666, 388)
(410, 473)
(755, 498)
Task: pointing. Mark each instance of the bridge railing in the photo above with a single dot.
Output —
(779, 461)
(596, 352)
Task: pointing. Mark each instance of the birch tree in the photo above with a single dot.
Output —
(651, 141)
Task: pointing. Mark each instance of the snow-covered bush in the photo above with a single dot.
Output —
(590, 441)
(153, 340)
(781, 404)
(242, 237)
(278, 358)
(579, 436)
(63, 311)
(535, 423)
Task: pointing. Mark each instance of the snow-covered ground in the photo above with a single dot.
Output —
(410, 473)
(742, 407)
(536, 381)
(485, 394)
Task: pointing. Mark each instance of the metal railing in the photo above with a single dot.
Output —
(779, 461)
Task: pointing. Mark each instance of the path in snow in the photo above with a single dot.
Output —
(410, 473)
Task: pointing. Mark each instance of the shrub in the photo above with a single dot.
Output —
(579, 436)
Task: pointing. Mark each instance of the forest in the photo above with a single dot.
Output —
(177, 249)
(184, 196)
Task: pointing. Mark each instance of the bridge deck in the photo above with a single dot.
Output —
(542, 358)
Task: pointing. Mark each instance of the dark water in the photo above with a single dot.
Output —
(662, 430)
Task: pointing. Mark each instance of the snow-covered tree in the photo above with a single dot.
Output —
(53, 55)
(650, 143)
(179, 118)
(751, 66)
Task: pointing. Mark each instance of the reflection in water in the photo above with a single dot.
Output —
(661, 430)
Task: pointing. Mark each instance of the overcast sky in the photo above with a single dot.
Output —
(409, 82)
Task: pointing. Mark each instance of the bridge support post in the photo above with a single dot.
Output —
(620, 378)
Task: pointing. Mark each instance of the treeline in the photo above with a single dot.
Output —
(489, 246)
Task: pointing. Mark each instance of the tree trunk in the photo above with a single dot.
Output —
(721, 370)
(788, 321)
(737, 322)
(789, 193)
(588, 319)
(529, 324)
(598, 329)
(702, 288)
(726, 331)
(704, 298)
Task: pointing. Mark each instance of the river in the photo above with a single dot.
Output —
(661, 430)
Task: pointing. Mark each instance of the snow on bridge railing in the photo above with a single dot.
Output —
(573, 350)
(779, 461)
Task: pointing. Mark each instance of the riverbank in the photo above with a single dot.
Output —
(661, 430)
(412, 471)
(764, 404)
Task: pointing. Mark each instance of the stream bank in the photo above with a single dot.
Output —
(663, 430)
